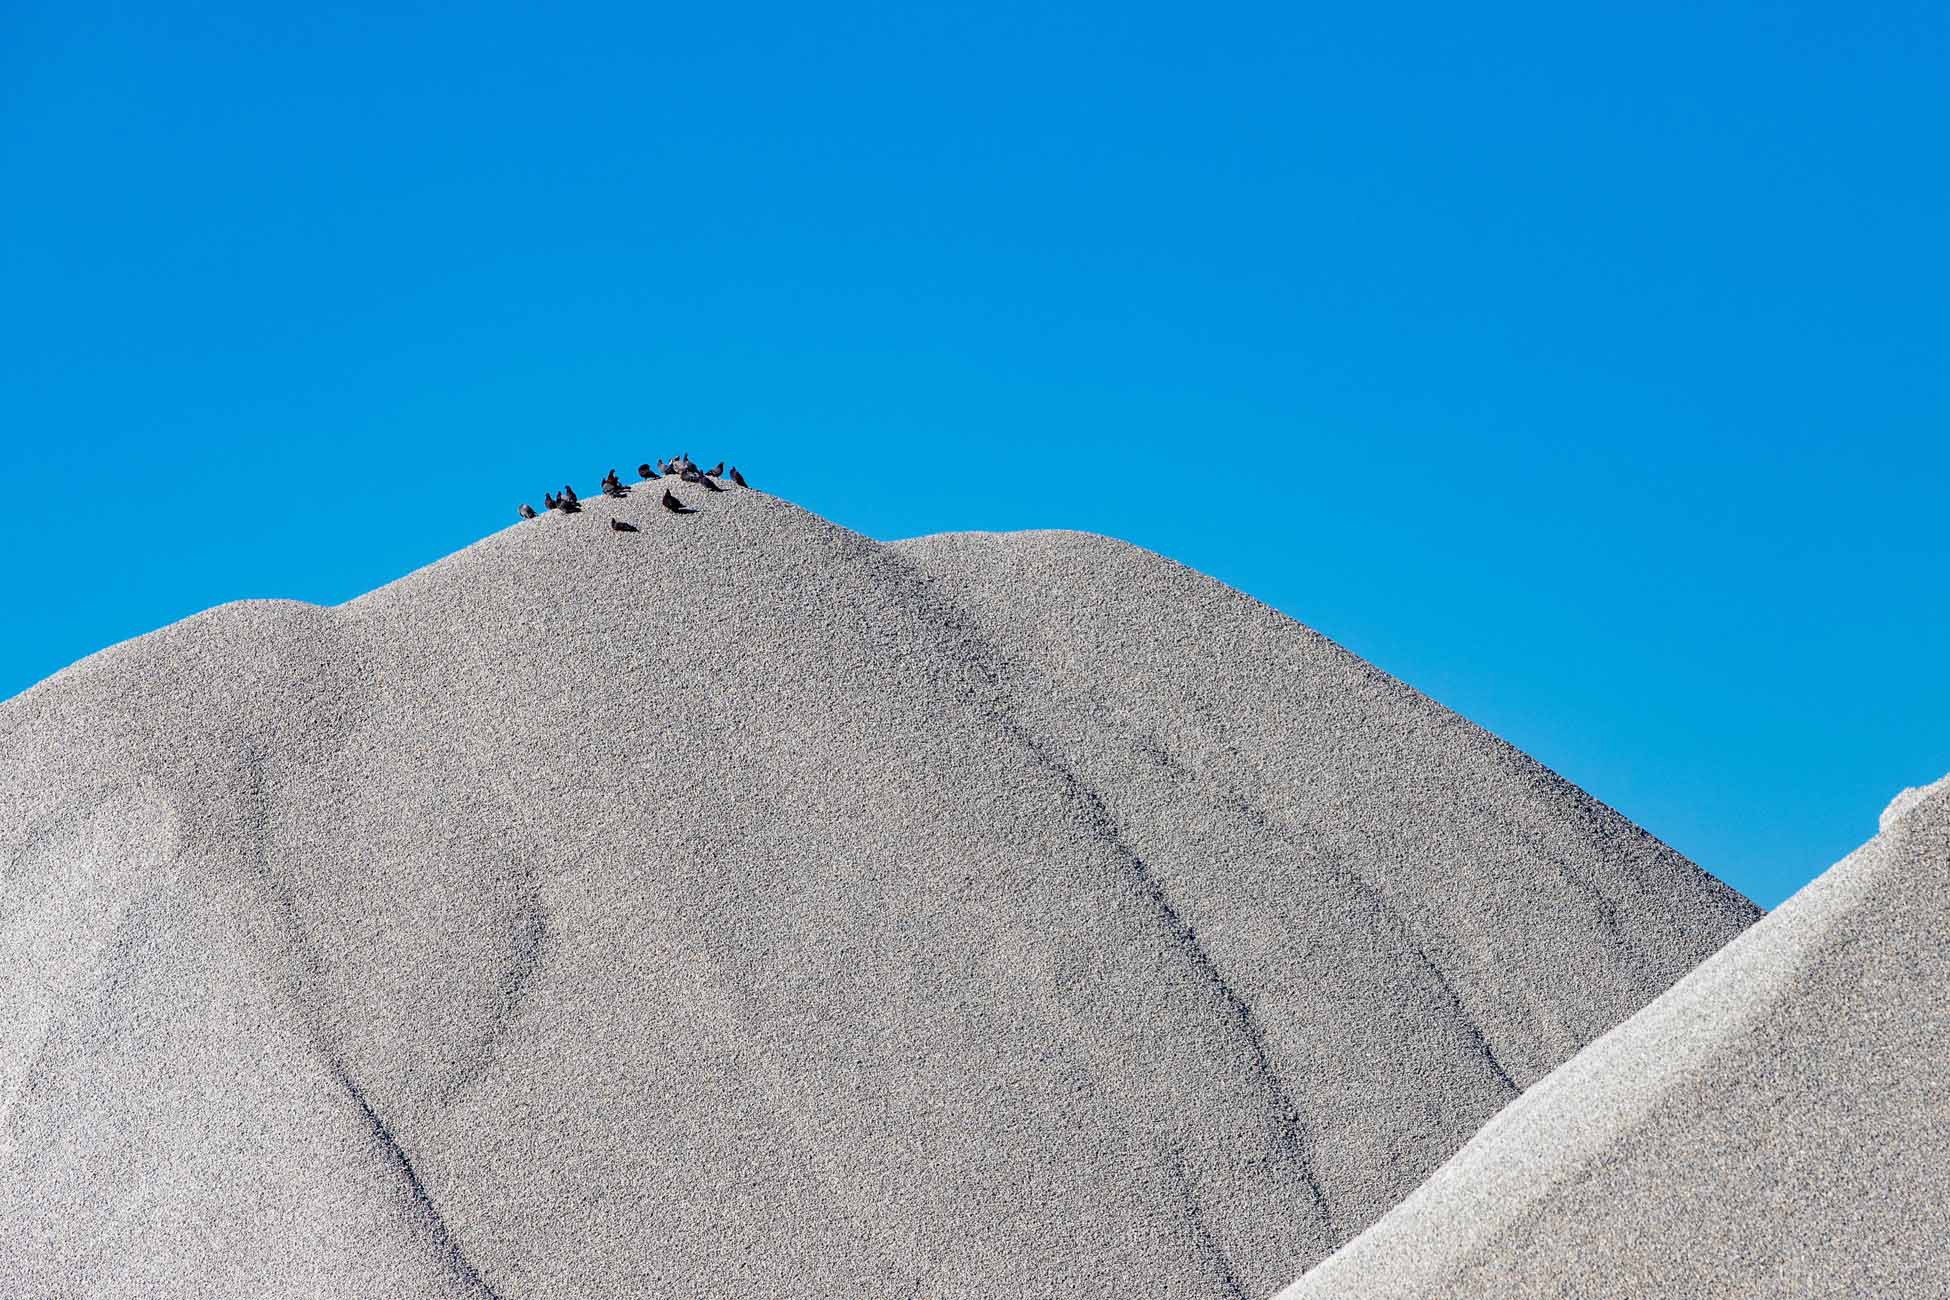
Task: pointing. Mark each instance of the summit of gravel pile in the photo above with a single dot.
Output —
(737, 906)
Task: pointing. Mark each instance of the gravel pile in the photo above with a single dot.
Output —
(1777, 1124)
(740, 907)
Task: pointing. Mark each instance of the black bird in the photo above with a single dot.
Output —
(737, 478)
(610, 478)
(615, 489)
(675, 506)
(644, 471)
(718, 472)
(548, 500)
(568, 505)
(527, 511)
(568, 493)
(618, 526)
(710, 483)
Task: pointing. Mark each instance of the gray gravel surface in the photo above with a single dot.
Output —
(740, 907)
(1777, 1124)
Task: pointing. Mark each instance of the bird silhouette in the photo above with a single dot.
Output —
(618, 526)
(714, 473)
(568, 493)
(675, 506)
(709, 482)
(568, 505)
(548, 500)
(644, 471)
(737, 478)
(615, 489)
(527, 511)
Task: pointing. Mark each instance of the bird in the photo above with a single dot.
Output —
(709, 482)
(568, 493)
(644, 471)
(611, 477)
(548, 500)
(714, 473)
(612, 488)
(737, 478)
(689, 475)
(663, 468)
(527, 511)
(618, 526)
(568, 505)
(675, 506)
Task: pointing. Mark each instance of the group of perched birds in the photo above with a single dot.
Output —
(682, 468)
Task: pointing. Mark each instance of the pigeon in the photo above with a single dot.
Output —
(675, 506)
(709, 482)
(612, 488)
(737, 478)
(568, 505)
(568, 493)
(718, 472)
(610, 478)
(663, 468)
(689, 475)
(527, 511)
(548, 500)
(618, 526)
(644, 471)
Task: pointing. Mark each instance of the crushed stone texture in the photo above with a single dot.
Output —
(741, 907)
(1777, 1124)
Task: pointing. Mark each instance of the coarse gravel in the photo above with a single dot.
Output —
(1777, 1124)
(742, 907)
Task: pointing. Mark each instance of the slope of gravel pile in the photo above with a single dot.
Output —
(742, 907)
(1777, 1124)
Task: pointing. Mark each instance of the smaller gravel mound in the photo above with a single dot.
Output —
(1777, 1124)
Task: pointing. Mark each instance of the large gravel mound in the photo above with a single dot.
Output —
(740, 907)
(1778, 1124)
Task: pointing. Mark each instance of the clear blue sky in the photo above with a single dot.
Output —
(1584, 366)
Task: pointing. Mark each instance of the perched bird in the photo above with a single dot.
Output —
(644, 471)
(610, 478)
(737, 478)
(527, 511)
(568, 493)
(618, 526)
(675, 506)
(690, 475)
(663, 468)
(709, 482)
(718, 472)
(612, 488)
(548, 500)
(568, 505)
